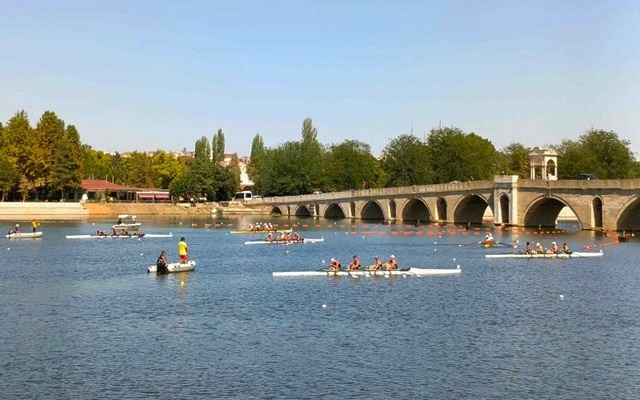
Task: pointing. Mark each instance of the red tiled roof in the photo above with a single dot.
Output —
(94, 184)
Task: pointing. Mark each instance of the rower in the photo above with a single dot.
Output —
(527, 249)
(392, 263)
(539, 248)
(270, 237)
(377, 265)
(354, 264)
(17, 229)
(297, 237)
(335, 265)
(553, 249)
(488, 239)
(565, 248)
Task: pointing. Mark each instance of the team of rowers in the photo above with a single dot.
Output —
(285, 237)
(355, 264)
(551, 250)
(123, 232)
(266, 227)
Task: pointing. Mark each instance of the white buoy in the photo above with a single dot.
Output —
(561, 297)
(454, 258)
(324, 306)
(287, 251)
(435, 249)
(458, 266)
(141, 254)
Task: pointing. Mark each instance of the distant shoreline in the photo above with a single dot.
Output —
(73, 211)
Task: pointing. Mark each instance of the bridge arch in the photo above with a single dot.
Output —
(334, 211)
(275, 210)
(372, 210)
(596, 210)
(470, 209)
(302, 211)
(416, 210)
(628, 217)
(544, 210)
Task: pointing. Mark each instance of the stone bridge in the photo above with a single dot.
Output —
(597, 204)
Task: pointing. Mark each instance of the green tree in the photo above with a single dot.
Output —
(203, 168)
(47, 134)
(184, 186)
(350, 164)
(514, 160)
(282, 170)
(256, 164)
(228, 179)
(406, 162)
(139, 170)
(165, 167)
(597, 152)
(217, 147)
(66, 171)
(311, 162)
(456, 155)
(9, 175)
(96, 164)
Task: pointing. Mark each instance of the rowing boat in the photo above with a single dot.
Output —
(575, 254)
(127, 236)
(305, 240)
(24, 235)
(397, 272)
(246, 232)
(174, 267)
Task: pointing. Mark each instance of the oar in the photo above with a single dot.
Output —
(468, 244)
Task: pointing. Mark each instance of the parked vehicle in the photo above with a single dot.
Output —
(587, 177)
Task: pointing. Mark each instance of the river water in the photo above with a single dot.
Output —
(82, 319)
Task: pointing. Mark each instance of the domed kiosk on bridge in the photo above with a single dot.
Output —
(543, 163)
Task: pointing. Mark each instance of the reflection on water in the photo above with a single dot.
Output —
(83, 319)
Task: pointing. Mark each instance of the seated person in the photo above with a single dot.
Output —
(161, 264)
(377, 265)
(565, 248)
(553, 249)
(527, 249)
(354, 264)
(539, 248)
(335, 265)
(392, 263)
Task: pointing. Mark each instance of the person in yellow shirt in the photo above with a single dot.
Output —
(34, 225)
(182, 250)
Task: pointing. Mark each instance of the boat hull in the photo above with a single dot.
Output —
(575, 254)
(245, 232)
(132, 236)
(174, 267)
(24, 235)
(408, 272)
(284, 242)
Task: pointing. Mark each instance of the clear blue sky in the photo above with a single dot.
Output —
(146, 75)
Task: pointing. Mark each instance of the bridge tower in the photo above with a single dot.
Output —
(543, 164)
(505, 199)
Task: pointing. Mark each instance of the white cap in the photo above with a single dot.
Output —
(392, 256)
(553, 242)
(538, 244)
(333, 259)
(17, 224)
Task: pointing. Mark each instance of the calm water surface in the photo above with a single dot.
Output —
(82, 319)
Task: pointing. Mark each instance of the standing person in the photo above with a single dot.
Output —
(182, 250)
(161, 264)
(354, 264)
(34, 225)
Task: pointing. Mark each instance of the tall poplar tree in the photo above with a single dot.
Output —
(312, 154)
(217, 147)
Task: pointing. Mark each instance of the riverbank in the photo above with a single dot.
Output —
(78, 211)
